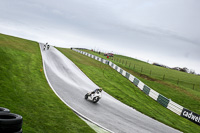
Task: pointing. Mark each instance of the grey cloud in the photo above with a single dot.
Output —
(152, 28)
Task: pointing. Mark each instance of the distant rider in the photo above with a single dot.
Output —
(45, 45)
(48, 46)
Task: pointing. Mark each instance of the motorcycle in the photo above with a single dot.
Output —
(93, 96)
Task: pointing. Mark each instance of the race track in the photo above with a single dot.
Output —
(71, 84)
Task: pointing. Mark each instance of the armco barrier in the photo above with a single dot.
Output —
(135, 81)
(102, 60)
(131, 78)
(121, 70)
(163, 100)
(153, 94)
(146, 89)
(118, 69)
(112, 65)
(167, 103)
(124, 73)
(175, 107)
(127, 75)
(141, 85)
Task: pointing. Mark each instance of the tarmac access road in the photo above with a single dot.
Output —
(71, 84)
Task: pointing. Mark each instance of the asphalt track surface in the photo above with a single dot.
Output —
(71, 85)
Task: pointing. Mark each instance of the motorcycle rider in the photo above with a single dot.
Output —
(94, 96)
(96, 90)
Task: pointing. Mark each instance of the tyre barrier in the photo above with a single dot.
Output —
(10, 122)
(4, 110)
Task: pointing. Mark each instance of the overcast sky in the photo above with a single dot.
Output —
(163, 31)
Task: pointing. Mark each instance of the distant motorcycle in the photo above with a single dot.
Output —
(44, 46)
(94, 96)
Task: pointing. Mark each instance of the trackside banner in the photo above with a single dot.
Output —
(191, 116)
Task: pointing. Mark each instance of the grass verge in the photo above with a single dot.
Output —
(183, 95)
(24, 90)
(123, 90)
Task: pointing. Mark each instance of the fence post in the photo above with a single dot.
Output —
(129, 65)
(141, 69)
(178, 82)
(150, 72)
(164, 77)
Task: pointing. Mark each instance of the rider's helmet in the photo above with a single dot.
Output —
(100, 89)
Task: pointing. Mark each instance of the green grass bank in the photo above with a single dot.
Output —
(25, 91)
(181, 93)
(125, 91)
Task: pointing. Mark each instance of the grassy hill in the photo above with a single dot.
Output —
(123, 90)
(173, 84)
(24, 90)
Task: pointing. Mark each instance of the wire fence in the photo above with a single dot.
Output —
(151, 74)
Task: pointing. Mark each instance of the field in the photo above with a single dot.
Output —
(123, 90)
(173, 84)
(24, 90)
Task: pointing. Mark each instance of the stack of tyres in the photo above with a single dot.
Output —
(4, 110)
(10, 122)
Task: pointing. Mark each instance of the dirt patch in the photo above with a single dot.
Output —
(147, 77)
